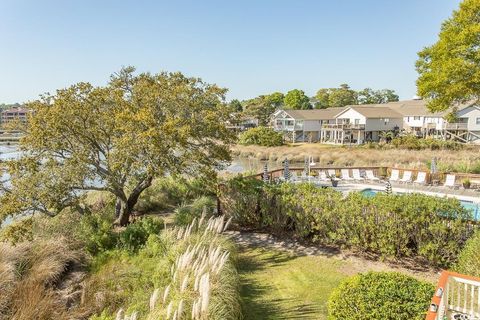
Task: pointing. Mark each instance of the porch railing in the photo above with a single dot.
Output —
(455, 294)
(343, 126)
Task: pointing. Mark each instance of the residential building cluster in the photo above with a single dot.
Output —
(14, 114)
(357, 124)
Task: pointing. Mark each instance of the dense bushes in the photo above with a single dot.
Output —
(382, 296)
(185, 213)
(171, 191)
(469, 258)
(261, 136)
(414, 143)
(390, 225)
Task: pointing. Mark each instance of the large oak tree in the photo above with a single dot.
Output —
(116, 138)
(449, 70)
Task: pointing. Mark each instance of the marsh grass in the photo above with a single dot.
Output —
(464, 160)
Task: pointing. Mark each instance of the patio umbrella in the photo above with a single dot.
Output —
(433, 166)
(265, 174)
(388, 188)
(286, 171)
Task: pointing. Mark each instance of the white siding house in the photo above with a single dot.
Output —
(471, 116)
(303, 125)
(363, 123)
(358, 124)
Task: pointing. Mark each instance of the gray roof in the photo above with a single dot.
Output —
(374, 111)
(315, 114)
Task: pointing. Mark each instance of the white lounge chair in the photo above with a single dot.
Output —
(394, 177)
(294, 176)
(356, 175)
(407, 177)
(450, 181)
(346, 175)
(322, 176)
(421, 178)
(371, 176)
(332, 173)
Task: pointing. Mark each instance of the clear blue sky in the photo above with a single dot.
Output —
(251, 47)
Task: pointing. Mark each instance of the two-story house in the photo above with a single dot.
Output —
(363, 123)
(303, 125)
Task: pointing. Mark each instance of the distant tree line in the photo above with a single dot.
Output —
(263, 106)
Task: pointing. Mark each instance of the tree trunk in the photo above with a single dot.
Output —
(124, 206)
(122, 212)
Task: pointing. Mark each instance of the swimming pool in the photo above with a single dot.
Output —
(469, 205)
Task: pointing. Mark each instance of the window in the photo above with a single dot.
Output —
(477, 121)
(357, 121)
(416, 118)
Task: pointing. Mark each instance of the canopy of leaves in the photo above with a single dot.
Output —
(116, 138)
(449, 70)
(296, 99)
(263, 106)
(370, 96)
(344, 95)
(235, 106)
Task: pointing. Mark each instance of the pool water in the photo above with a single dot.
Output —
(472, 206)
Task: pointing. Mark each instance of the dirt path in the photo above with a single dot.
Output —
(356, 263)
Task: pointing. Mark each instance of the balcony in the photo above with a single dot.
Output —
(455, 126)
(344, 126)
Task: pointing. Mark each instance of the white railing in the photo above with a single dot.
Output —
(456, 294)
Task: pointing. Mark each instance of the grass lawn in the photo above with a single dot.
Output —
(279, 285)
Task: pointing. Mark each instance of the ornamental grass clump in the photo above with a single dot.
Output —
(202, 281)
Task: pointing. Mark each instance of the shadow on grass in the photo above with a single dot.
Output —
(257, 301)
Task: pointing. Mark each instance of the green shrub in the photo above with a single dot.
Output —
(171, 191)
(136, 234)
(412, 142)
(17, 231)
(469, 258)
(185, 214)
(96, 232)
(261, 136)
(390, 225)
(382, 296)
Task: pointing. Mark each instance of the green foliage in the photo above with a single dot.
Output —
(127, 280)
(116, 138)
(263, 106)
(380, 296)
(171, 191)
(369, 96)
(343, 96)
(95, 231)
(460, 166)
(136, 234)
(335, 97)
(469, 258)
(235, 106)
(414, 143)
(186, 213)
(296, 99)
(384, 224)
(262, 136)
(448, 70)
(18, 231)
